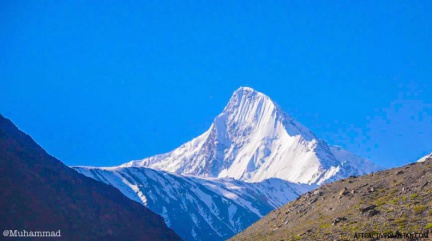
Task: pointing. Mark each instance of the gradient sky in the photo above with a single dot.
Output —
(102, 84)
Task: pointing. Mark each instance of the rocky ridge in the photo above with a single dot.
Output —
(395, 200)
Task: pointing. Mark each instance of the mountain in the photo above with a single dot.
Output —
(428, 156)
(253, 159)
(253, 139)
(395, 202)
(39, 193)
(197, 208)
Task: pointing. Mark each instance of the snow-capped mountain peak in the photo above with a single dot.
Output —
(253, 139)
(250, 109)
(253, 158)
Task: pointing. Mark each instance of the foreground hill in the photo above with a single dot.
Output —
(39, 193)
(398, 199)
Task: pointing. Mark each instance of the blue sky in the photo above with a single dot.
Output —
(101, 84)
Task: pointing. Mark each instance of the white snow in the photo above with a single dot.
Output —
(362, 164)
(215, 201)
(254, 140)
(425, 157)
(253, 158)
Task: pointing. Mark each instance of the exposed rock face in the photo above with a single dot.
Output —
(398, 199)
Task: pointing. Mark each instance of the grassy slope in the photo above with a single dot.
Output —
(398, 199)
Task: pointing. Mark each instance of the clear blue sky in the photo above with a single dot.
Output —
(101, 84)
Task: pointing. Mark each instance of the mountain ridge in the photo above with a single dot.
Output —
(425, 157)
(199, 208)
(250, 143)
(41, 193)
(392, 201)
(254, 139)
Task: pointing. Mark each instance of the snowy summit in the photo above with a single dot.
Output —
(253, 139)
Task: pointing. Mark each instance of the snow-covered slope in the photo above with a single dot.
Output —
(254, 140)
(360, 163)
(244, 166)
(428, 156)
(199, 209)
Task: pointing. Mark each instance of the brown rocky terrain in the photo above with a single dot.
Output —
(396, 201)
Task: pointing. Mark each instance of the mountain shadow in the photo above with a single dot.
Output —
(40, 193)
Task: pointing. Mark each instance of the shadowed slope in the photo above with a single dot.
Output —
(38, 192)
